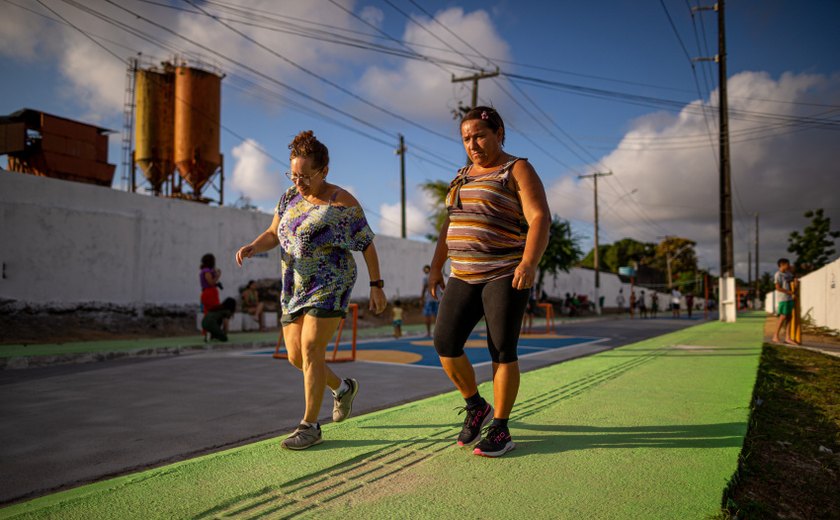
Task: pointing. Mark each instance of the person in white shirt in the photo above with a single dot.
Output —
(676, 297)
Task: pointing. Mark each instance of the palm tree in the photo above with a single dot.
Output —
(437, 190)
(563, 250)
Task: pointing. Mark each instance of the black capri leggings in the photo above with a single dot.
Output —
(464, 304)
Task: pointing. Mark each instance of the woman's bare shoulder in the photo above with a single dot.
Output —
(344, 198)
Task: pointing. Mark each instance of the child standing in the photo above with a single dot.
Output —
(784, 295)
(397, 314)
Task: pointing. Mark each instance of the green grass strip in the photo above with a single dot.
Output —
(651, 430)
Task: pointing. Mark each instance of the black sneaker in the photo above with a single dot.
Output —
(476, 418)
(496, 442)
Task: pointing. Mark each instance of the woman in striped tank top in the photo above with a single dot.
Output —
(494, 236)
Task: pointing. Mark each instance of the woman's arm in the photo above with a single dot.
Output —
(537, 214)
(438, 259)
(378, 302)
(212, 277)
(266, 241)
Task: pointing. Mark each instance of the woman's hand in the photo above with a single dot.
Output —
(435, 281)
(378, 301)
(523, 276)
(243, 253)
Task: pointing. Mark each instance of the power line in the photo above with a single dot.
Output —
(274, 95)
(694, 76)
(318, 76)
(86, 35)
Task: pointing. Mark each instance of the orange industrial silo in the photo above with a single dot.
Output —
(155, 124)
(197, 117)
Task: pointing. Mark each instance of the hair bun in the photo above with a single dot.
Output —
(305, 144)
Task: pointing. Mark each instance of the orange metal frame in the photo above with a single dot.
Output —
(354, 308)
(549, 317)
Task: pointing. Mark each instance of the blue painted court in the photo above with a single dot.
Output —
(420, 351)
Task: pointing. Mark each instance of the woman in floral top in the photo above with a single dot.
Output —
(317, 224)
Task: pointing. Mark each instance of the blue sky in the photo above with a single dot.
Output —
(782, 66)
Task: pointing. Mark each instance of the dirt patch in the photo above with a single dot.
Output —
(100, 323)
(811, 335)
(84, 325)
(790, 463)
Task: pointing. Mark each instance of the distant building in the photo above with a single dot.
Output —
(46, 145)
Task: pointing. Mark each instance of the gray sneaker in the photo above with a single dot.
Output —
(343, 404)
(302, 438)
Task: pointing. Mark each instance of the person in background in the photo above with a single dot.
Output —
(530, 311)
(397, 316)
(632, 307)
(642, 305)
(430, 305)
(251, 303)
(317, 225)
(654, 304)
(213, 322)
(209, 278)
(689, 303)
(784, 295)
(494, 235)
(619, 301)
(676, 297)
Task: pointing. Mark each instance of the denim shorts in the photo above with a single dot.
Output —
(287, 319)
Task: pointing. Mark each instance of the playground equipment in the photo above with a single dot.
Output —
(354, 310)
(549, 319)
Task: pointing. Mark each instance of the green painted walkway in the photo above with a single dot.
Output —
(651, 430)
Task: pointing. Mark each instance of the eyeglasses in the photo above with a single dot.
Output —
(303, 179)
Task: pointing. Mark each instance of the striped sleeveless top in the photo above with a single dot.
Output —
(487, 228)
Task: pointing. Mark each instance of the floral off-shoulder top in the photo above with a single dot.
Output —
(316, 241)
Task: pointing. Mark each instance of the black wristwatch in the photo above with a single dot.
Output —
(377, 283)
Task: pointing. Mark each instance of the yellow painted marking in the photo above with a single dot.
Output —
(391, 356)
(471, 343)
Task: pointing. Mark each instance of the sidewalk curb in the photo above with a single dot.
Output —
(24, 362)
(38, 361)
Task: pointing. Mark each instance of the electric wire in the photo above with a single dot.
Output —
(318, 76)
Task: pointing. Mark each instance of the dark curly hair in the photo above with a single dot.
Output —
(305, 144)
(489, 116)
(208, 261)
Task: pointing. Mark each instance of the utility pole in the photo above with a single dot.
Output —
(401, 152)
(749, 269)
(757, 279)
(726, 249)
(594, 177)
(727, 296)
(474, 78)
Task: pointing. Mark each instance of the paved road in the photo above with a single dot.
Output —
(68, 425)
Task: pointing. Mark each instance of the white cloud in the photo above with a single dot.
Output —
(252, 177)
(421, 90)
(416, 216)
(372, 15)
(778, 170)
(95, 79)
(22, 34)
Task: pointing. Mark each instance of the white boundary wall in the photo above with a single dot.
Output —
(820, 293)
(65, 243)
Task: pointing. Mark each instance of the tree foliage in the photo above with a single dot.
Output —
(563, 250)
(815, 246)
(436, 190)
(625, 252)
(681, 253)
